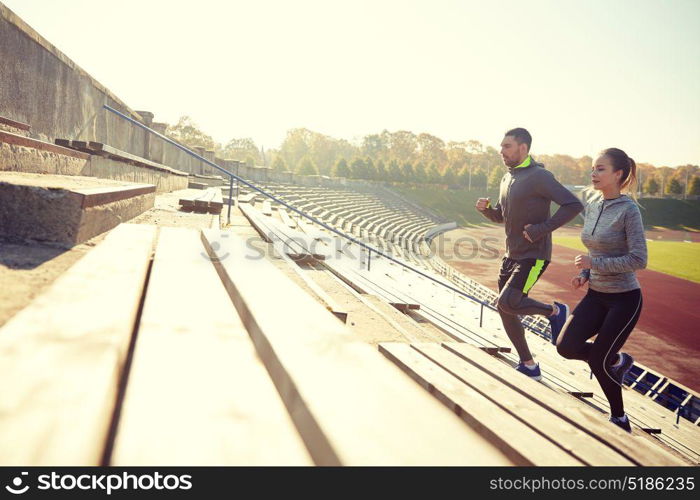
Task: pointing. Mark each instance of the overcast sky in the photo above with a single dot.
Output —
(580, 75)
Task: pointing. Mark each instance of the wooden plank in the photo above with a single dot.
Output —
(61, 357)
(404, 307)
(494, 350)
(343, 397)
(15, 124)
(521, 443)
(634, 447)
(269, 230)
(202, 202)
(295, 247)
(92, 197)
(216, 204)
(581, 445)
(197, 392)
(651, 415)
(286, 219)
(579, 394)
(247, 198)
(266, 208)
(371, 283)
(643, 411)
(82, 146)
(20, 140)
(188, 199)
(116, 154)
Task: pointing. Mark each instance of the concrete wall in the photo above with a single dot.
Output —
(25, 158)
(165, 182)
(42, 87)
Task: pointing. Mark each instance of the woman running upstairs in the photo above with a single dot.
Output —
(613, 233)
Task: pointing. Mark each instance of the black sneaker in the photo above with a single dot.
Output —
(533, 373)
(622, 422)
(557, 322)
(618, 372)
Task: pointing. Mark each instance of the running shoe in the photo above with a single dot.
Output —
(557, 322)
(622, 422)
(533, 373)
(619, 372)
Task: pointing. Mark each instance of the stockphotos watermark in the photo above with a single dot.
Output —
(463, 249)
(105, 483)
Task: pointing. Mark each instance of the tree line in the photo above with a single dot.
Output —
(405, 157)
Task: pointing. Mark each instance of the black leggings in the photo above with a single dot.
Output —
(515, 280)
(612, 316)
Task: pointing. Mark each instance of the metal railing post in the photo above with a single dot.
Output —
(238, 184)
(230, 192)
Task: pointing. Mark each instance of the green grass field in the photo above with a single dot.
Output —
(676, 258)
(458, 205)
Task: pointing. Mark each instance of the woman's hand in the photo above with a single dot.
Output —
(578, 281)
(526, 235)
(482, 204)
(582, 262)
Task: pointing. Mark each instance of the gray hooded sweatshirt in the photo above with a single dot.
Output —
(525, 197)
(614, 235)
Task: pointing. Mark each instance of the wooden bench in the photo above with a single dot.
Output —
(572, 427)
(286, 219)
(570, 408)
(61, 357)
(247, 198)
(197, 392)
(347, 415)
(209, 201)
(291, 246)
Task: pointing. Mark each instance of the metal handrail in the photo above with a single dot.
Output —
(277, 200)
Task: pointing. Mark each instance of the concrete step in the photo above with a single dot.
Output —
(24, 154)
(66, 210)
(14, 127)
(19, 153)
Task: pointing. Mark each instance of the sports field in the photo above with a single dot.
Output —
(677, 258)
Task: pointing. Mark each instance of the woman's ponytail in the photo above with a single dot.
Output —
(630, 184)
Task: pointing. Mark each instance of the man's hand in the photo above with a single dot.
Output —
(578, 281)
(525, 235)
(482, 204)
(582, 262)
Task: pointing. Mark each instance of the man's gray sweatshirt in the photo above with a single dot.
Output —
(525, 197)
(614, 235)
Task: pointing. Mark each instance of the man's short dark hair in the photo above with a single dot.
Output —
(521, 136)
